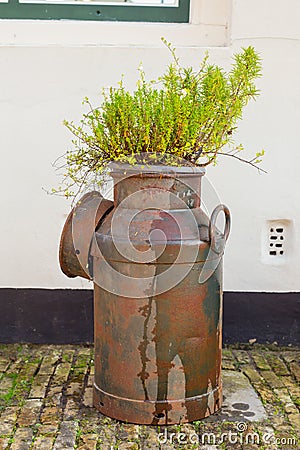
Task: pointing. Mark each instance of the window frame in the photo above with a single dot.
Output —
(96, 12)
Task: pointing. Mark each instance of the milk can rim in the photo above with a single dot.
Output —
(126, 168)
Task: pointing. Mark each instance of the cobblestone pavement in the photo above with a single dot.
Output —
(46, 398)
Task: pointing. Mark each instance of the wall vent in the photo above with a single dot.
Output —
(276, 243)
(277, 237)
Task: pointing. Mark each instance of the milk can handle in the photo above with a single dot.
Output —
(212, 228)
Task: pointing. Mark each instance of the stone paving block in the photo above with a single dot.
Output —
(105, 446)
(67, 355)
(227, 354)
(228, 361)
(42, 350)
(61, 373)
(203, 447)
(260, 361)
(15, 366)
(48, 364)
(48, 429)
(72, 410)
(273, 380)
(88, 397)
(150, 441)
(290, 356)
(129, 446)
(88, 442)
(168, 446)
(4, 363)
(277, 364)
(50, 415)
(54, 390)
(90, 381)
(90, 421)
(275, 414)
(284, 396)
(107, 433)
(242, 356)
(74, 389)
(128, 432)
(293, 389)
(8, 420)
(78, 372)
(39, 386)
(54, 400)
(294, 419)
(22, 439)
(4, 443)
(295, 369)
(228, 365)
(82, 362)
(21, 390)
(252, 374)
(29, 369)
(266, 393)
(279, 419)
(285, 429)
(66, 347)
(54, 396)
(85, 351)
(43, 443)
(29, 413)
(6, 383)
(66, 436)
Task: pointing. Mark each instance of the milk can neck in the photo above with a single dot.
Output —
(163, 187)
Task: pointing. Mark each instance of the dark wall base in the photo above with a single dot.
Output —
(62, 316)
(267, 317)
(50, 316)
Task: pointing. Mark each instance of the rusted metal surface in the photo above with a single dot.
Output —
(77, 234)
(157, 359)
(156, 262)
(157, 330)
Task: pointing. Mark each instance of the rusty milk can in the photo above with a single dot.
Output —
(156, 262)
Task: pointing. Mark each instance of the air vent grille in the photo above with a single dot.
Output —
(277, 236)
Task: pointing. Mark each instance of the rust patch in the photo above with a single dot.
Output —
(78, 231)
(143, 374)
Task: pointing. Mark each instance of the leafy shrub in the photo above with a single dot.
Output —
(186, 113)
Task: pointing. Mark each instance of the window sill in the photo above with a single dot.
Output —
(121, 34)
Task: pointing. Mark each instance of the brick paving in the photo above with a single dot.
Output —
(46, 403)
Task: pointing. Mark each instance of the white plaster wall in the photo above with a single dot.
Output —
(48, 67)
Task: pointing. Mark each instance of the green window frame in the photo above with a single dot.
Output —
(13, 9)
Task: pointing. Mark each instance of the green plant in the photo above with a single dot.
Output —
(187, 114)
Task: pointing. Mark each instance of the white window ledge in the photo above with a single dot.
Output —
(209, 27)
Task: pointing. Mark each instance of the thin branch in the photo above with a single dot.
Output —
(58, 158)
(236, 157)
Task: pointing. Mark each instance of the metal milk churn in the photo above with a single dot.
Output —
(156, 262)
